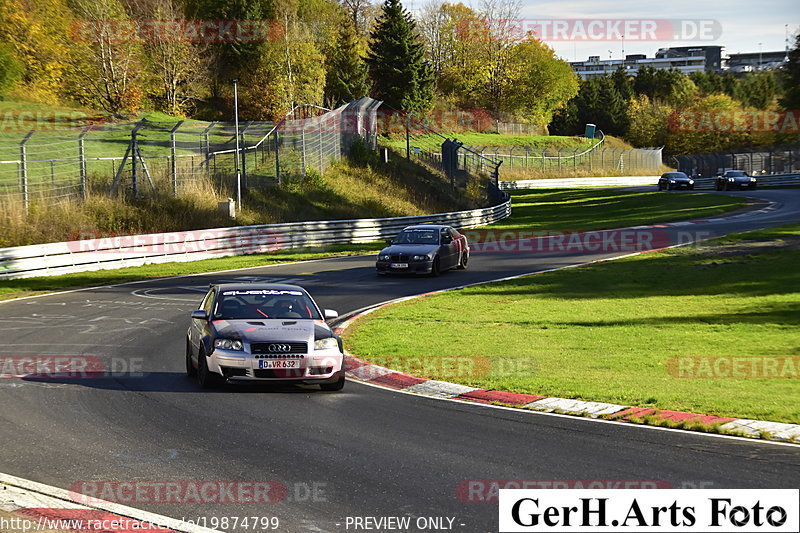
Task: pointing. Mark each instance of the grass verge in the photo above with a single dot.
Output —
(592, 209)
(643, 331)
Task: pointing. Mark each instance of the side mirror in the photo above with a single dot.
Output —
(389, 241)
(200, 314)
(447, 239)
(330, 313)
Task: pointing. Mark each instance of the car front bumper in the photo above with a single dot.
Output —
(412, 267)
(321, 366)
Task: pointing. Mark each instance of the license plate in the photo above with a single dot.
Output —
(278, 363)
(399, 265)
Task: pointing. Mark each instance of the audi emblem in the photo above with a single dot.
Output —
(283, 348)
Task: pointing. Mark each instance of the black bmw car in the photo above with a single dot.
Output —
(735, 179)
(675, 180)
(427, 249)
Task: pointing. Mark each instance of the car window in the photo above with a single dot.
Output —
(418, 236)
(258, 304)
(208, 301)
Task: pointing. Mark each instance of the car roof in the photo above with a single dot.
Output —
(258, 286)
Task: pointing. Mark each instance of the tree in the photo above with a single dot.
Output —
(791, 72)
(648, 122)
(346, 75)
(10, 70)
(757, 89)
(108, 65)
(401, 76)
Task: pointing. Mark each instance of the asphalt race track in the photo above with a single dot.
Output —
(362, 452)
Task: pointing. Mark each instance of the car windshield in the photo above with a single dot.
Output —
(676, 175)
(736, 173)
(264, 303)
(418, 236)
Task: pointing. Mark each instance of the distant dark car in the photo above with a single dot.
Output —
(428, 249)
(675, 180)
(735, 179)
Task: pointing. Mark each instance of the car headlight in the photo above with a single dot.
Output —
(326, 344)
(383, 257)
(752, 179)
(419, 257)
(691, 182)
(228, 344)
(731, 179)
(672, 181)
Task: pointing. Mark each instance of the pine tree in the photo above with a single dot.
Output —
(401, 76)
(346, 77)
(791, 99)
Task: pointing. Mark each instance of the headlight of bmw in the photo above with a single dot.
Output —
(731, 179)
(228, 344)
(383, 257)
(672, 181)
(325, 344)
(691, 182)
(420, 258)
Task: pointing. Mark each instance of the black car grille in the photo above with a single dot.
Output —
(230, 372)
(278, 348)
(400, 258)
(279, 373)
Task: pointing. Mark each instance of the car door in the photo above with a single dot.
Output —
(198, 327)
(448, 254)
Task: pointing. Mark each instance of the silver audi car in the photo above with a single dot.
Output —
(263, 332)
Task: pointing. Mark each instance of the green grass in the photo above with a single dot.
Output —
(26, 287)
(610, 331)
(584, 209)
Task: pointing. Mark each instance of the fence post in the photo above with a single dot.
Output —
(303, 148)
(174, 168)
(511, 157)
(319, 144)
(82, 161)
(408, 137)
(23, 156)
(277, 158)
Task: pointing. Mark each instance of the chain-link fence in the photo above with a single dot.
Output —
(758, 160)
(168, 157)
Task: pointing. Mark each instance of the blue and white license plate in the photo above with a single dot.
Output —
(399, 265)
(278, 363)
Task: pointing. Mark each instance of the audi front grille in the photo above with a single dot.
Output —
(279, 348)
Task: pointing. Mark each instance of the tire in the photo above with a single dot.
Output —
(206, 378)
(660, 187)
(462, 263)
(435, 267)
(336, 385)
(191, 371)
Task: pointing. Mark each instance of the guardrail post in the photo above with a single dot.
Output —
(23, 156)
(82, 161)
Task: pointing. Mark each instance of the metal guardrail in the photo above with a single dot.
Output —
(638, 181)
(136, 250)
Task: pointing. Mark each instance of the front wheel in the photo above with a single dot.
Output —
(336, 385)
(191, 371)
(205, 377)
(435, 267)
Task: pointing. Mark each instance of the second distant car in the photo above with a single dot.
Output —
(427, 249)
(735, 179)
(675, 180)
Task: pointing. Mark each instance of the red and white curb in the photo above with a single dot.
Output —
(364, 371)
(40, 507)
